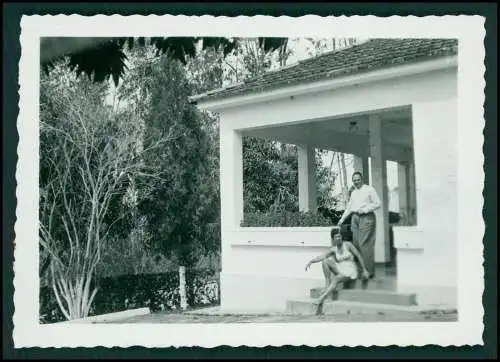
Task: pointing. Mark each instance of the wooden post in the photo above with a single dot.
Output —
(182, 287)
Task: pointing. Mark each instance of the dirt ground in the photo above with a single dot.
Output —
(190, 318)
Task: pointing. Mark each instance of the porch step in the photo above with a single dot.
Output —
(306, 307)
(369, 296)
(380, 283)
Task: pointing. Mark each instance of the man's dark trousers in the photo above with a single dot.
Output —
(363, 227)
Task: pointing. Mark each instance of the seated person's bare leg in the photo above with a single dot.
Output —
(335, 281)
(329, 270)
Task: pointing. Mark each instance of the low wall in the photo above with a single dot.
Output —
(262, 293)
(426, 265)
(274, 252)
(264, 267)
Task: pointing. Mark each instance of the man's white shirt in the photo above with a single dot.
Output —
(363, 200)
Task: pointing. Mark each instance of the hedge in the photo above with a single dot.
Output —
(322, 217)
(159, 292)
(285, 219)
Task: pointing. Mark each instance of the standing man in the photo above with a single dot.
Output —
(362, 204)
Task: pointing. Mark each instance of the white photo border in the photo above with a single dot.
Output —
(470, 32)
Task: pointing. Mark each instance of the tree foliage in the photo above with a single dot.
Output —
(89, 160)
(107, 58)
(136, 184)
(270, 169)
(179, 204)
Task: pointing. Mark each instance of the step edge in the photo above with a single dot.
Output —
(372, 292)
(368, 291)
(399, 307)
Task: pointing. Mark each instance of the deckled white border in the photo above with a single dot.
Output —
(468, 330)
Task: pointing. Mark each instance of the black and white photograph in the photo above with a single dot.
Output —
(206, 181)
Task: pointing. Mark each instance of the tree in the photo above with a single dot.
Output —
(180, 203)
(100, 59)
(270, 168)
(320, 46)
(266, 180)
(86, 165)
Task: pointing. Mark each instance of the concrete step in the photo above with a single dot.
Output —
(341, 307)
(382, 283)
(370, 296)
(387, 283)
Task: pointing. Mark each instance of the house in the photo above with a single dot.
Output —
(385, 99)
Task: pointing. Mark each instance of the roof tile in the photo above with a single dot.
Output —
(367, 56)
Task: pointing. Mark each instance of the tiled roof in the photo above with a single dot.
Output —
(368, 56)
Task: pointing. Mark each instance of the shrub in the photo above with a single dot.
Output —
(281, 218)
(159, 292)
(285, 219)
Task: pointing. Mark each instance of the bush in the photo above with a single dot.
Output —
(285, 219)
(159, 292)
(280, 218)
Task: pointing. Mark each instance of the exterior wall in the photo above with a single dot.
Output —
(277, 251)
(266, 266)
(261, 293)
(259, 276)
(404, 91)
(430, 259)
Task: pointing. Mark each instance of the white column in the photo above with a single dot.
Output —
(231, 177)
(433, 170)
(231, 197)
(361, 165)
(403, 193)
(379, 182)
(412, 194)
(307, 178)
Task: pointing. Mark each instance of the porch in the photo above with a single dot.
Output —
(382, 114)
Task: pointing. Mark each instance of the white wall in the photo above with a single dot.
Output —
(432, 96)
(435, 140)
(344, 101)
(276, 251)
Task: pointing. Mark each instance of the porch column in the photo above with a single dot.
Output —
(379, 182)
(231, 177)
(403, 193)
(307, 178)
(412, 194)
(231, 203)
(361, 165)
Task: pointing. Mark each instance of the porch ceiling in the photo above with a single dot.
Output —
(347, 134)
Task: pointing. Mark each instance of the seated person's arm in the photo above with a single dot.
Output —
(319, 258)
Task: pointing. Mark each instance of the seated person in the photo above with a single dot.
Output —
(338, 265)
